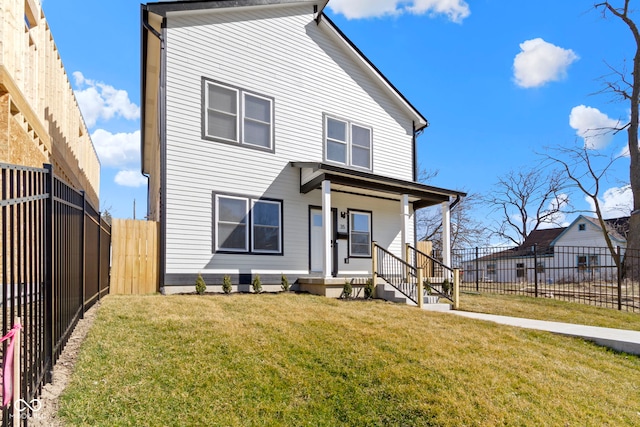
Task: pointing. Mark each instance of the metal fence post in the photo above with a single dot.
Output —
(420, 287)
(456, 288)
(83, 248)
(374, 266)
(535, 268)
(49, 220)
(477, 270)
(619, 268)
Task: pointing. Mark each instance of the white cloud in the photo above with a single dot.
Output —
(454, 10)
(117, 150)
(130, 178)
(101, 101)
(540, 62)
(593, 126)
(616, 202)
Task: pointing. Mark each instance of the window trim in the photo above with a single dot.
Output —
(240, 116)
(250, 201)
(217, 222)
(263, 251)
(370, 215)
(591, 264)
(348, 143)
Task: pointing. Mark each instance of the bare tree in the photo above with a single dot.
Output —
(578, 166)
(466, 231)
(627, 87)
(527, 199)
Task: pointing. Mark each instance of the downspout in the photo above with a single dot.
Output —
(161, 128)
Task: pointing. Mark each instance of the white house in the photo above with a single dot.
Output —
(570, 254)
(272, 145)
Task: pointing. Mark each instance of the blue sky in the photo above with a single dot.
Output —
(499, 81)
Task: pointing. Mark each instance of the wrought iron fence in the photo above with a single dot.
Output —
(588, 275)
(55, 253)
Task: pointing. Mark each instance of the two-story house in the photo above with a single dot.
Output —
(272, 145)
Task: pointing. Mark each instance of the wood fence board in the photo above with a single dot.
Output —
(135, 266)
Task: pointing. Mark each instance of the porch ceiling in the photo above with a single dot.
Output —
(367, 184)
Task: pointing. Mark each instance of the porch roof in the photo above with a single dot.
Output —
(363, 183)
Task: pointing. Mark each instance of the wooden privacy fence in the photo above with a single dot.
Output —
(134, 266)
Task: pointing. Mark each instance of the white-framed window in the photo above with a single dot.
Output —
(236, 116)
(587, 262)
(348, 143)
(359, 234)
(247, 225)
(491, 269)
(582, 227)
(266, 223)
(232, 233)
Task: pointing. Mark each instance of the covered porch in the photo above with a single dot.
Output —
(336, 182)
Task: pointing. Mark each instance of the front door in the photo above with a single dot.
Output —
(316, 244)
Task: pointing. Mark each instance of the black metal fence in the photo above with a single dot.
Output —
(55, 252)
(588, 275)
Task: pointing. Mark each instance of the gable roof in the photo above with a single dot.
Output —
(542, 237)
(615, 227)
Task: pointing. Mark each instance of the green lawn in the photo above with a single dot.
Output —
(550, 309)
(293, 360)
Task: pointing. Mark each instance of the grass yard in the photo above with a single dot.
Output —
(293, 360)
(549, 309)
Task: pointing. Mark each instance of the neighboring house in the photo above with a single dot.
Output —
(554, 255)
(40, 121)
(272, 145)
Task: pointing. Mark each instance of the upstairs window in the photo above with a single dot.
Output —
(582, 227)
(347, 143)
(236, 116)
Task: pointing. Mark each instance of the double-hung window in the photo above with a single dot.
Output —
(359, 234)
(347, 143)
(237, 116)
(247, 225)
(587, 262)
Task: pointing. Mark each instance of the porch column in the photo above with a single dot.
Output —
(326, 228)
(446, 234)
(404, 219)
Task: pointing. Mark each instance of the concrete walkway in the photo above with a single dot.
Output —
(617, 339)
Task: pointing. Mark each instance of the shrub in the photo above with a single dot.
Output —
(347, 289)
(446, 287)
(200, 285)
(284, 283)
(256, 283)
(368, 289)
(226, 284)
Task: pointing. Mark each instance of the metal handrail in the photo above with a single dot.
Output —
(396, 272)
(429, 288)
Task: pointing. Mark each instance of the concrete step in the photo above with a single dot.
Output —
(431, 302)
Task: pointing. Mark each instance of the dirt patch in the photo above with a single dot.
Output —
(47, 416)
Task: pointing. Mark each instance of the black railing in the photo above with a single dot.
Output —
(397, 273)
(588, 275)
(438, 277)
(55, 252)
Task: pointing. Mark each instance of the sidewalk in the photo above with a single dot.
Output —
(617, 339)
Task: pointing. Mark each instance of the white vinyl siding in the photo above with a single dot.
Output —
(270, 52)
